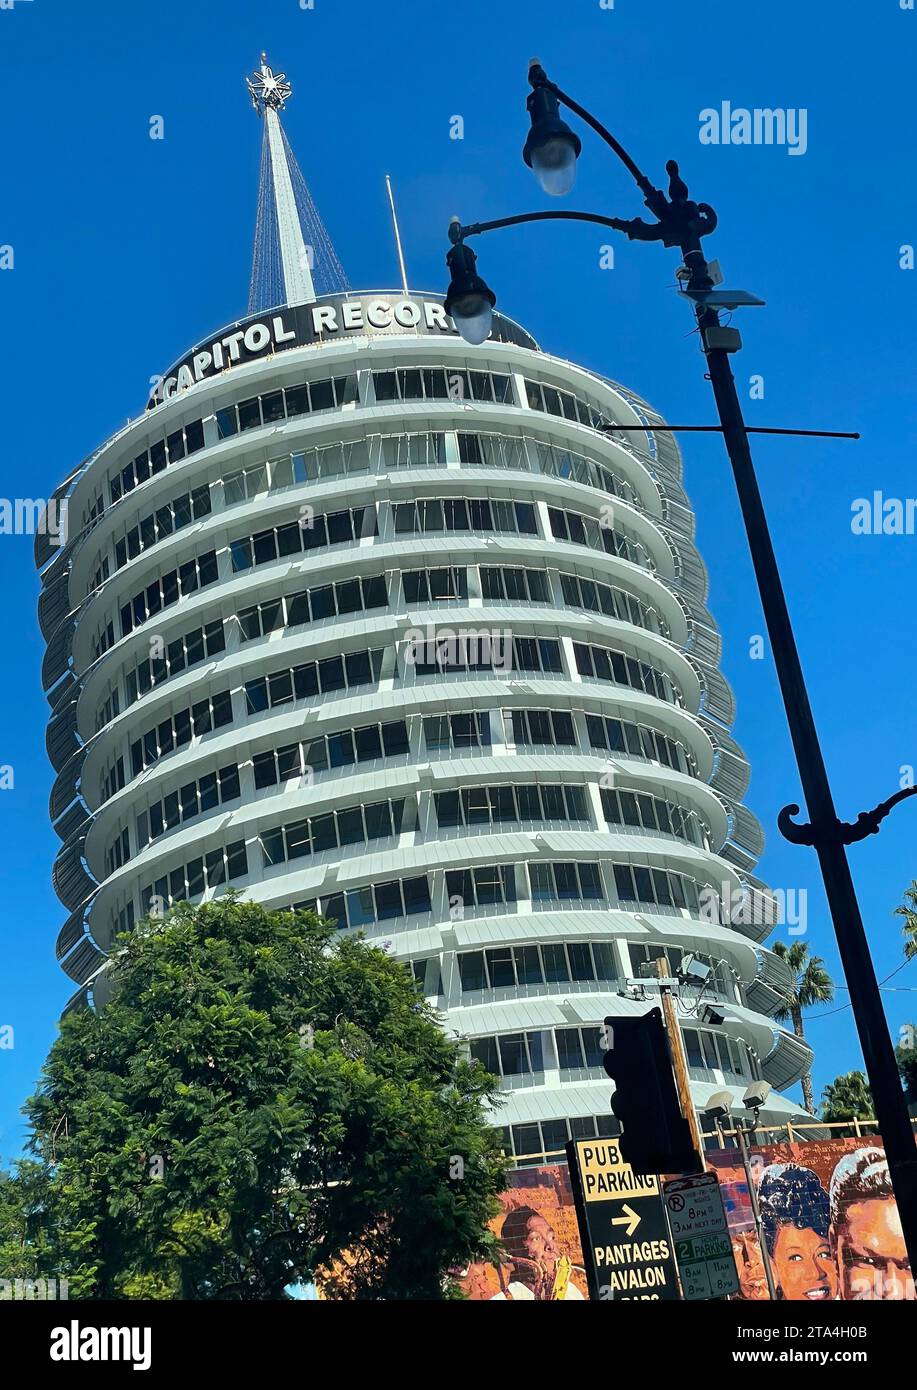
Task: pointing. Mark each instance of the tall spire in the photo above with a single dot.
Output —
(293, 256)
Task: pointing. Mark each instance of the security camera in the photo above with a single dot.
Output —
(694, 971)
(709, 1014)
(719, 1105)
(756, 1095)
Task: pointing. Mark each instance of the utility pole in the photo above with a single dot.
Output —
(679, 1060)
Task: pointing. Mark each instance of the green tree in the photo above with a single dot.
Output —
(848, 1097)
(812, 985)
(908, 910)
(263, 1098)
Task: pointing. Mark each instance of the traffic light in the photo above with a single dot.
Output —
(655, 1136)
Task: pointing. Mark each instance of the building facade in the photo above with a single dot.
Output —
(357, 617)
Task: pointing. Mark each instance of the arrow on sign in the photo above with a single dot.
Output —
(631, 1220)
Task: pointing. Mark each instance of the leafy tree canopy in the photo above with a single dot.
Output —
(263, 1098)
(848, 1097)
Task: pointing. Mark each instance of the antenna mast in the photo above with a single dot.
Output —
(391, 199)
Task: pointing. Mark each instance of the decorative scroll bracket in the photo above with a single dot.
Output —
(841, 832)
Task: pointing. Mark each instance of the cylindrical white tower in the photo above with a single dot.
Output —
(360, 617)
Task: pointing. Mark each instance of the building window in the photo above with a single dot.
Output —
(601, 663)
(343, 749)
(491, 886)
(278, 542)
(637, 741)
(313, 678)
(524, 803)
(181, 582)
(181, 653)
(178, 730)
(540, 728)
(565, 882)
(381, 820)
(216, 867)
(313, 605)
(650, 813)
(446, 732)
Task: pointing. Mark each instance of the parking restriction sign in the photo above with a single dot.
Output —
(700, 1236)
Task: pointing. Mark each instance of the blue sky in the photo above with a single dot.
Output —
(128, 249)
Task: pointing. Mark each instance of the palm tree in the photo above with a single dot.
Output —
(813, 985)
(908, 910)
(848, 1097)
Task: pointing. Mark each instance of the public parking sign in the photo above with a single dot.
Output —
(700, 1235)
(625, 1238)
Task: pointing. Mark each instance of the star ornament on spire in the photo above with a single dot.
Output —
(267, 88)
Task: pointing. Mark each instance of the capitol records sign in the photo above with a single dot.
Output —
(327, 320)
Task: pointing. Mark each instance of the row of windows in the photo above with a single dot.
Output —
(109, 709)
(579, 1053)
(182, 652)
(442, 384)
(481, 886)
(181, 582)
(172, 516)
(409, 384)
(313, 678)
(530, 1144)
(510, 1054)
(296, 537)
(353, 825)
(113, 779)
(177, 731)
(157, 457)
(343, 749)
(610, 600)
(118, 852)
(511, 967)
(286, 404)
(439, 514)
(189, 880)
(585, 530)
(636, 740)
(441, 732)
(426, 449)
(637, 883)
(524, 803)
(604, 664)
(553, 401)
(211, 790)
(651, 813)
(312, 605)
(709, 1052)
(467, 653)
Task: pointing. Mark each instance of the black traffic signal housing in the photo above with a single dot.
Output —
(655, 1135)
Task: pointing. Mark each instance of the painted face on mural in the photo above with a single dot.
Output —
(540, 1242)
(871, 1254)
(803, 1264)
(750, 1267)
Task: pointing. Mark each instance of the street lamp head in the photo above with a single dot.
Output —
(756, 1095)
(469, 299)
(719, 1106)
(551, 148)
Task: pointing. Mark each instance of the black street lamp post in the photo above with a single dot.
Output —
(551, 149)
